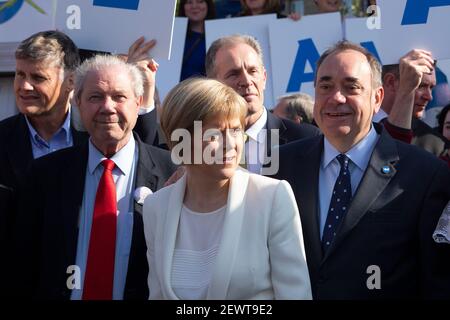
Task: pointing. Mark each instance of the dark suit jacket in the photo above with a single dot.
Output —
(427, 138)
(389, 223)
(289, 130)
(47, 232)
(285, 131)
(16, 153)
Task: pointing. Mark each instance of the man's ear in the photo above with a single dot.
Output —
(69, 78)
(390, 82)
(378, 98)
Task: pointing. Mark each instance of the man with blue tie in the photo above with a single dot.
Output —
(368, 203)
(80, 230)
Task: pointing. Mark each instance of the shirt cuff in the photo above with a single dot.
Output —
(145, 110)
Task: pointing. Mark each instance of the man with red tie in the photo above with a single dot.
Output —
(81, 228)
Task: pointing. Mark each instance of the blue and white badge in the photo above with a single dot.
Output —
(386, 169)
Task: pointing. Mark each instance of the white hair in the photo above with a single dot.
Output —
(100, 62)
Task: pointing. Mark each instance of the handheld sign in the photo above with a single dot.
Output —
(20, 19)
(113, 25)
(294, 54)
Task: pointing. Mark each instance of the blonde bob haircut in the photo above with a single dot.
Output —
(199, 99)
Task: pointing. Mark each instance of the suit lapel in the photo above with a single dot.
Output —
(372, 184)
(307, 193)
(228, 248)
(72, 190)
(167, 234)
(19, 148)
(274, 123)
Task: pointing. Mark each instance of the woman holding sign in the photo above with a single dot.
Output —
(197, 11)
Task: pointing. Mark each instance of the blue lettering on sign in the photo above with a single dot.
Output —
(370, 46)
(119, 4)
(306, 52)
(416, 11)
(10, 10)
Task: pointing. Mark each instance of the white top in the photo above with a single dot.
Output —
(255, 147)
(196, 248)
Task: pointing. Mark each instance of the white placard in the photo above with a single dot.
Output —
(257, 27)
(21, 20)
(295, 48)
(405, 25)
(169, 71)
(113, 25)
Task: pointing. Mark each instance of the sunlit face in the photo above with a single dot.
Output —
(423, 94)
(255, 6)
(196, 10)
(239, 67)
(221, 148)
(108, 107)
(39, 87)
(345, 100)
(328, 5)
(446, 128)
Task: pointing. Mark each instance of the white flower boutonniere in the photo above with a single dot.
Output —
(141, 193)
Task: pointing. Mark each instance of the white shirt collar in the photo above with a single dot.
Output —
(360, 153)
(123, 158)
(254, 130)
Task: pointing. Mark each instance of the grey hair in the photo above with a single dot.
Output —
(230, 41)
(100, 62)
(53, 47)
(299, 104)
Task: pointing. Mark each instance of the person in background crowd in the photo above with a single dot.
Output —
(257, 7)
(444, 122)
(325, 6)
(220, 232)
(197, 11)
(368, 203)
(444, 129)
(408, 90)
(297, 107)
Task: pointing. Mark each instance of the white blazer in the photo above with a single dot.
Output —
(261, 254)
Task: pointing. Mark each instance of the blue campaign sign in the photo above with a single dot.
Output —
(119, 4)
(307, 51)
(416, 11)
(9, 9)
(370, 46)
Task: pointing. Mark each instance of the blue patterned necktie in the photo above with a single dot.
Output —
(340, 201)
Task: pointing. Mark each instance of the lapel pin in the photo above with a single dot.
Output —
(386, 169)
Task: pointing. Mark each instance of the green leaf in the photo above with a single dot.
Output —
(34, 5)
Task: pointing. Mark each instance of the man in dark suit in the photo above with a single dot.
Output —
(62, 230)
(237, 62)
(368, 203)
(45, 63)
(408, 90)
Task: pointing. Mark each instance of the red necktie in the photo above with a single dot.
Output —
(99, 278)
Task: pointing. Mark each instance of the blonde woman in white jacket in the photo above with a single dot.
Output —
(220, 232)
